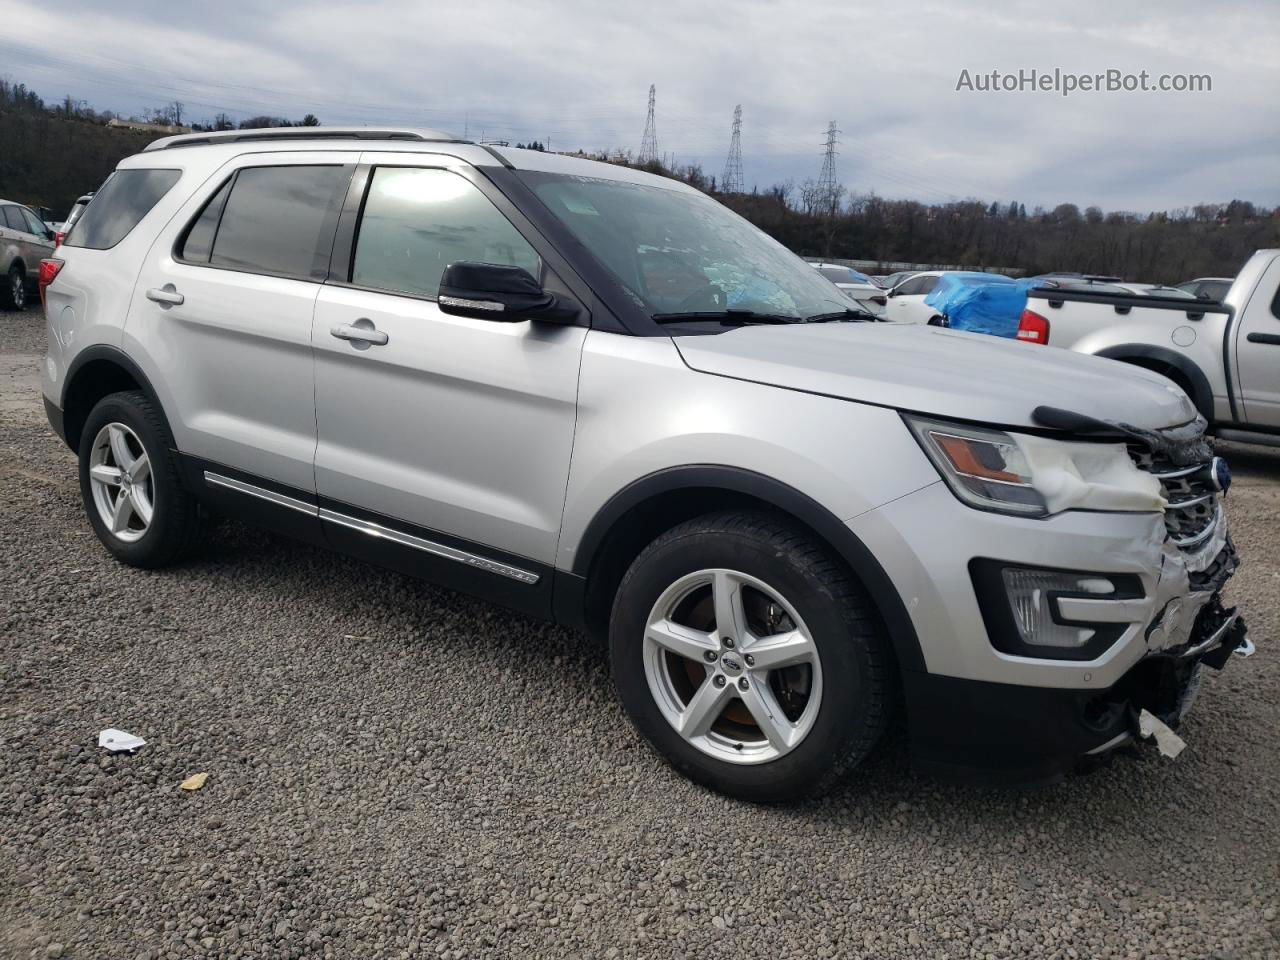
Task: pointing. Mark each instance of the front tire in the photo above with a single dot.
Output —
(130, 483)
(749, 657)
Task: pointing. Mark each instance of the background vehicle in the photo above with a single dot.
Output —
(596, 396)
(1225, 356)
(906, 300)
(77, 209)
(893, 279)
(869, 295)
(25, 240)
(1207, 288)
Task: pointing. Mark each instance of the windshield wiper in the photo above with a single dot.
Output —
(860, 316)
(730, 317)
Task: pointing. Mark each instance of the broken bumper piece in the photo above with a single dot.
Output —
(1000, 733)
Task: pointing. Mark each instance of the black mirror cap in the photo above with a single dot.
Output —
(494, 291)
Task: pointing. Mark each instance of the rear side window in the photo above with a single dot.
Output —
(274, 220)
(13, 219)
(197, 246)
(126, 197)
(417, 221)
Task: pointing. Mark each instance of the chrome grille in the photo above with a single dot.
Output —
(1192, 513)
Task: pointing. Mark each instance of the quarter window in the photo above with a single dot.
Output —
(126, 197)
(417, 221)
(276, 220)
(198, 244)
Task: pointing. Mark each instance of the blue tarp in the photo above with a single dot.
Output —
(980, 302)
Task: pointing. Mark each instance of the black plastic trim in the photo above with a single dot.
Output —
(879, 587)
(1271, 338)
(114, 355)
(1197, 307)
(1201, 392)
(54, 414)
(1002, 630)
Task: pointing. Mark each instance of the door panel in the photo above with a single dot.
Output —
(1258, 351)
(231, 348)
(457, 425)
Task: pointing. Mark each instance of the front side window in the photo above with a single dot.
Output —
(276, 220)
(126, 197)
(34, 224)
(680, 252)
(417, 221)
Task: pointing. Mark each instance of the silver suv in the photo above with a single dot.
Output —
(599, 397)
(25, 240)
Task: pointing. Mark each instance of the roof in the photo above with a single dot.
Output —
(412, 134)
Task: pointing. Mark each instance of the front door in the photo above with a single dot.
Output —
(1258, 351)
(444, 440)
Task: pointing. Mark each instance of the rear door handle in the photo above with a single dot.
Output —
(1271, 338)
(165, 295)
(362, 331)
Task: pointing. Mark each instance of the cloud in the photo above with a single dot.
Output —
(578, 73)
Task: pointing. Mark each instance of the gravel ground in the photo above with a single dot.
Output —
(396, 771)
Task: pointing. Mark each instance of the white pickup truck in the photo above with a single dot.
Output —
(1226, 356)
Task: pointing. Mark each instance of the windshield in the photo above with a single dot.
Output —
(679, 252)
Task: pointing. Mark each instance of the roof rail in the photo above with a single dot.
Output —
(302, 133)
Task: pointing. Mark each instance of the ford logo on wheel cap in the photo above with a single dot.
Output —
(1221, 474)
(731, 664)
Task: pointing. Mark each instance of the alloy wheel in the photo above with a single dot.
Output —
(121, 481)
(732, 666)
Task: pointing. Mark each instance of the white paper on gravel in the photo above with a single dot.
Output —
(117, 740)
(1097, 476)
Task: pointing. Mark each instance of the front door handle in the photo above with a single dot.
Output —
(166, 294)
(362, 334)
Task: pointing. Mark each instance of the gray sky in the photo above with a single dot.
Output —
(577, 72)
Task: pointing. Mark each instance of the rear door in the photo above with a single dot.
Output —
(1258, 351)
(223, 309)
(452, 432)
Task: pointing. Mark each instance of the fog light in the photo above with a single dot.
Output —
(1055, 614)
(1032, 597)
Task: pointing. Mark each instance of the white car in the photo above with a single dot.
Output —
(906, 300)
(868, 294)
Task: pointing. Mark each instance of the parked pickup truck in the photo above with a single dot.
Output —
(1225, 356)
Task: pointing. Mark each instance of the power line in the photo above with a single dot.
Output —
(649, 143)
(731, 182)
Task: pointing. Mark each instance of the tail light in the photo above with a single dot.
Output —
(1033, 328)
(58, 237)
(49, 269)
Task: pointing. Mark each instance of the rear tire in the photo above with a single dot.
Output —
(131, 486)
(804, 654)
(14, 294)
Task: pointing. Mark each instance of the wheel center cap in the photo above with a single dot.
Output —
(731, 664)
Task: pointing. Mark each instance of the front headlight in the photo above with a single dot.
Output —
(1034, 476)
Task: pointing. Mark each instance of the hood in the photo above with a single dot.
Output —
(937, 371)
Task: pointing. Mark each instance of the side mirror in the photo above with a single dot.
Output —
(492, 291)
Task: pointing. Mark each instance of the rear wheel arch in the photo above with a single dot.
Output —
(97, 372)
(652, 505)
(1171, 364)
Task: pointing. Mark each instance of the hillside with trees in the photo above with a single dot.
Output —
(52, 153)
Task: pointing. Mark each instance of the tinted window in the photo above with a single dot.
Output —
(917, 286)
(198, 243)
(280, 220)
(34, 224)
(126, 197)
(1215, 289)
(837, 274)
(13, 219)
(416, 222)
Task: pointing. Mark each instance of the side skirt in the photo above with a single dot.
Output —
(510, 581)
